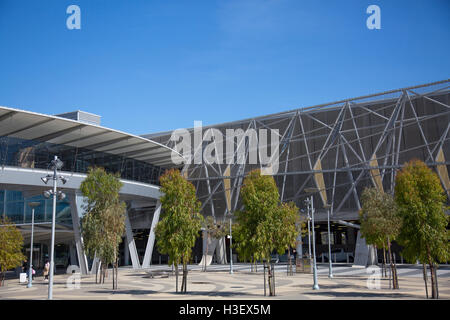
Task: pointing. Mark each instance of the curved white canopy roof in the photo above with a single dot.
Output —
(53, 129)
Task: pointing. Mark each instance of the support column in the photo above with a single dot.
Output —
(131, 244)
(76, 201)
(151, 237)
(221, 251)
(361, 251)
(126, 255)
(73, 256)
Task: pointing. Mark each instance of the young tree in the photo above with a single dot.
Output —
(180, 221)
(421, 204)
(213, 230)
(11, 243)
(264, 225)
(380, 223)
(104, 222)
(288, 223)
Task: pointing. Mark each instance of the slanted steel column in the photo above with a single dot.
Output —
(73, 254)
(126, 253)
(131, 244)
(151, 237)
(77, 212)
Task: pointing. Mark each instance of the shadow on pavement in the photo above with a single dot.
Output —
(187, 294)
(361, 294)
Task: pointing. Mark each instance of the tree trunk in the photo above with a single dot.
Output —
(184, 281)
(394, 276)
(433, 274)
(206, 253)
(433, 288)
(384, 261)
(436, 282)
(425, 278)
(176, 276)
(270, 280)
(113, 278)
(117, 273)
(289, 261)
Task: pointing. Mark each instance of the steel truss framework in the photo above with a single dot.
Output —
(339, 148)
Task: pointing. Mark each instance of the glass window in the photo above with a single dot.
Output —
(324, 237)
(14, 211)
(35, 154)
(343, 238)
(13, 195)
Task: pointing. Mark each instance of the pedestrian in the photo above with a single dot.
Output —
(46, 269)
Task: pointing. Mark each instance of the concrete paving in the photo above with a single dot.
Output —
(158, 282)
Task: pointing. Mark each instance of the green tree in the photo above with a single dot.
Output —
(104, 222)
(264, 225)
(421, 204)
(287, 221)
(11, 243)
(380, 224)
(180, 221)
(212, 230)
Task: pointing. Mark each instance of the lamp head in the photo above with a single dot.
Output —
(57, 163)
(45, 179)
(64, 179)
(48, 194)
(34, 204)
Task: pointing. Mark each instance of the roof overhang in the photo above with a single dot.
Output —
(56, 130)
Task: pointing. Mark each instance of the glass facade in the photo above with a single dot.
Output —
(35, 154)
(14, 206)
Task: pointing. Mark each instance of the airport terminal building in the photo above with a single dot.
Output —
(338, 148)
(28, 143)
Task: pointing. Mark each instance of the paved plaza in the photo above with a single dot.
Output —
(158, 282)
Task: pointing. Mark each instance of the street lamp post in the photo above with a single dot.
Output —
(311, 203)
(32, 205)
(330, 264)
(56, 165)
(231, 250)
(309, 233)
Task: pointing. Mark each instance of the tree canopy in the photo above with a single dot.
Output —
(103, 224)
(421, 202)
(180, 222)
(264, 225)
(11, 243)
(379, 218)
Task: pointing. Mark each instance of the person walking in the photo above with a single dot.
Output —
(46, 269)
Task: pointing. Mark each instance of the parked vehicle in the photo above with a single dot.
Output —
(338, 255)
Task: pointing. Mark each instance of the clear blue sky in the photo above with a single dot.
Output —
(148, 66)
